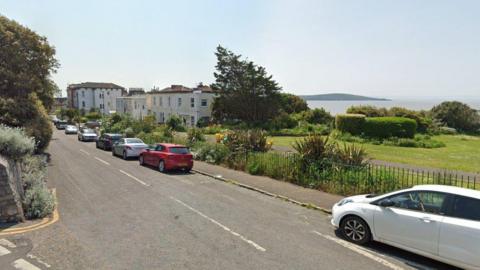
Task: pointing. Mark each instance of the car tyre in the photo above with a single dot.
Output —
(161, 166)
(140, 160)
(113, 152)
(355, 230)
(124, 155)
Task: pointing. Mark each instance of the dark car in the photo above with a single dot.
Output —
(107, 140)
(166, 156)
(61, 124)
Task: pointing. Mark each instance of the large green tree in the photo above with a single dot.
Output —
(291, 103)
(457, 115)
(26, 88)
(245, 91)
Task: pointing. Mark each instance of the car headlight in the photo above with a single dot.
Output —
(344, 201)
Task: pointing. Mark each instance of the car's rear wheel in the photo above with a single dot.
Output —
(125, 155)
(355, 230)
(161, 166)
(140, 160)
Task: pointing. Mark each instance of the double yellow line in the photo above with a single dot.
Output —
(42, 224)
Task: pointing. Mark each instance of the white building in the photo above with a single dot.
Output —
(133, 105)
(190, 104)
(88, 95)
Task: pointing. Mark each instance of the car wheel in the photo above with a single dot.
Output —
(161, 166)
(187, 170)
(125, 155)
(355, 230)
(113, 152)
(140, 160)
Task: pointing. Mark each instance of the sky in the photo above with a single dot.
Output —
(388, 48)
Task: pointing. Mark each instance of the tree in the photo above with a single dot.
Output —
(26, 89)
(457, 115)
(245, 91)
(27, 62)
(290, 103)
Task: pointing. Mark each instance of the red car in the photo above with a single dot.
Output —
(167, 156)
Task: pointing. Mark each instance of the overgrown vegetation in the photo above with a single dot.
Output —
(14, 143)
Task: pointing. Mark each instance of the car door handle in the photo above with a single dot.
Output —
(426, 219)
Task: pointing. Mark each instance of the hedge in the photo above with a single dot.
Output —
(387, 127)
(351, 123)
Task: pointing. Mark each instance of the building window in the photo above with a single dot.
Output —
(108, 93)
(179, 102)
(192, 102)
(160, 101)
(83, 93)
(204, 102)
(83, 104)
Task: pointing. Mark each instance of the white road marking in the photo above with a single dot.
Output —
(31, 256)
(134, 178)
(255, 245)
(5, 242)
(101, 160)
(24, 265)
(360, 250)
(4, 251)
(85, 152)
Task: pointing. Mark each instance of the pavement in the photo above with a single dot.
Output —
(115, 214)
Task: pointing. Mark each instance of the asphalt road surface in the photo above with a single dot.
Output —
(115, 214)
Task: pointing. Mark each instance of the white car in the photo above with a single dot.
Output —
(128, 147)
(87, 134)
(71, 129)
(439, 222)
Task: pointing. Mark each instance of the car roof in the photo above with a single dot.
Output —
(171, 145)
(450, 189)
(113, 134)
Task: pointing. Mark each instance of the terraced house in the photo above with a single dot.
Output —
(97, 95)
(190, 104)
(134, 104)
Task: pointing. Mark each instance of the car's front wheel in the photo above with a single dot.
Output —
(125, 155)
(355, 230)
(161, 166)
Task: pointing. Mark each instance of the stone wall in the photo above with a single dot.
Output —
(11, 192)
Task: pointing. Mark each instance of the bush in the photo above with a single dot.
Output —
(14, 143)
(457, 115)
(195, 135)
(175, 123)
(129, 133)
(211, 153)
(420, 141)
(283, 121)
(93, 116)
(386, 127)
(368, 111)
(352, 155)
(247, 140)
(317, 116)
(39, 202)
(303, 129)
(351, 123)
(213, 129)
(314, 148)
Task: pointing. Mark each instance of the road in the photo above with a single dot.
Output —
(115, 214)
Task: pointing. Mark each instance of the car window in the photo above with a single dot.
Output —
(133, 141)
(159, 147)
(425, 201)
(179, 150)
(466, 208)
(115, 137)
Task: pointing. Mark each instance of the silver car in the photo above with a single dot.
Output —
(87, 134)
(128, 147)
(71, 129)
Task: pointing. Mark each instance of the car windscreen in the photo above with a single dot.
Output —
(115, 137)
(179, 150)
(133, 141)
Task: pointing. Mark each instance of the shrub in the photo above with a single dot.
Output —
(175, 123)
(152, 138)
(283, 120)
(447, 131)
(14, 143)
(350, 155)
(38, 202)
(211, 153)
(195, 135)
(93, 116)
(129, 133)
(317, 116)
(247, 140)
(386, 127)
(213, 129)
(351, 123)
(457, 115)
(314, 148)
(368, 111)
(303, 129)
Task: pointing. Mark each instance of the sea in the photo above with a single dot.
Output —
(341, 106)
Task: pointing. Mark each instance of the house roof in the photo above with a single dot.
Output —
(95, 85)
(178, 89)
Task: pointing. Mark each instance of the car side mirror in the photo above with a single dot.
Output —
(387, 203)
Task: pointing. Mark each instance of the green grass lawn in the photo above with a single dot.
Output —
(461, 153)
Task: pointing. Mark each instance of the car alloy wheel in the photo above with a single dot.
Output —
(125, 155)
(161, 166)
(140, 160)
(355, 230)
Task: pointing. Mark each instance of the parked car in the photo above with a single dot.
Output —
(128, 147)
(439, 222)
(71, 129)
(87, 134)
(166, 156)
(93, 124)
(61, 124)
(106, 140)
